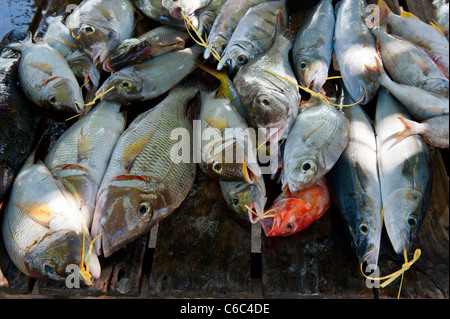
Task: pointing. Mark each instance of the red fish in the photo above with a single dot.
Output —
(293, 212)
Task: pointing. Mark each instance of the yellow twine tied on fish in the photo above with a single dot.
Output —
(90, 103)
(202, 42)
(390, 278)
(84, 271)
(324, 99)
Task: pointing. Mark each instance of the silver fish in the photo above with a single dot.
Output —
(355, 50)
(43, 228)
(147, 178)
(313, 46)
(98, 26)
(318, 137)
(46, 77)
(355, 185)
(152, 78)
(80, 156)
(434, 130)
(254, 34)
(406, 176)
(241, 196)
(156, 11)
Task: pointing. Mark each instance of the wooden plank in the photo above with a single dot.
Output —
(201, 251)
(421, 8)
(429, 276)
(17, 282)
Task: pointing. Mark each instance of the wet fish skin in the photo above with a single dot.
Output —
(42, 227)
(238, 195)
(18, 119)
(405, 171)
(296, 211)
(434, 130)
(254, 34)
(153, 43)
(408, 64)
(355, 186)
(187, 6)
(313, 46)
(156, 11)
(318, 137)
(46, 77)
(143, 182)
(80, 156)
(58, 37)
(98, 26)
(152, 78)
(355, 48)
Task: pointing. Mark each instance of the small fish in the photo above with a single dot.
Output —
(225, 24)
(188, 7)
(355, 186)
(58, 37)
(151, 44)
(43, 228)
(434, 130)
(254, 34)
(294, 212)
(98, 26)
(408, 64)
(156, 11)
(80, 156)
(150, 79)
(245, 199)
(147, 178)
(405, 170)
(46, 77)
(18, 119)
(355, 50)
(316, 141)
(420, 33)
(228, 151)
(421, 104)
(313, 46)
(267, 87)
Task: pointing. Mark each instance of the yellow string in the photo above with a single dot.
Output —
(89, 104)
(200, 42)
(253, 212)
(84, 272)
(317, 95)
(334, 77)
(390, 278)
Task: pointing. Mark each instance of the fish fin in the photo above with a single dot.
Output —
(280, 28)
(408, 131)
(84, 147)
(132, 150)
(129, 178)
(217, 123)
(221, 76)
(43, 67)
(40, 213)
(406, 14)
(17, 46)
(67, 43)
(384, 13)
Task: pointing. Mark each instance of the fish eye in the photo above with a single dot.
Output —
(364, 229)
(235, 201)
(48, 268)
(145, 210)
(217, 167)
(242, 59)
(303, 65)
(266, 102)
(411, 221)
(308, 166)
(89, 29)
(289, 227)
(52, 100)
(125, 84)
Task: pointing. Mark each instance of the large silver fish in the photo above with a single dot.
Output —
(46, 77)
(355, 185)
(355, 50)
(254, 34)
(149, 173)
(406, 175)
(152, 78)
(80, 156)
(313, 46)
(58, 37)
(318, 137)
(98, 26)
(43, 228)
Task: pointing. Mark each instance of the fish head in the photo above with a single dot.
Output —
(312, 73)
(402, 216)
(52, 256)
(127, 209)
(97, 41)
(235, 58)
(300, 172)
(188, 7)
(124, 87)
(125, 54)
(287, 217)
(63, 95)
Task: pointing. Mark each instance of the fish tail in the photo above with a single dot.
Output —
(282, 29)
(410, 129)
(17, 46)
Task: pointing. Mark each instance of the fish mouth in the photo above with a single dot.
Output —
(267, 225)
(370, 257)
(176, 13)
(106, 65)
(251, 171)
(99, 53)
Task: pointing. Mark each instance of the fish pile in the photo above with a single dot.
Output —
(251, 103)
